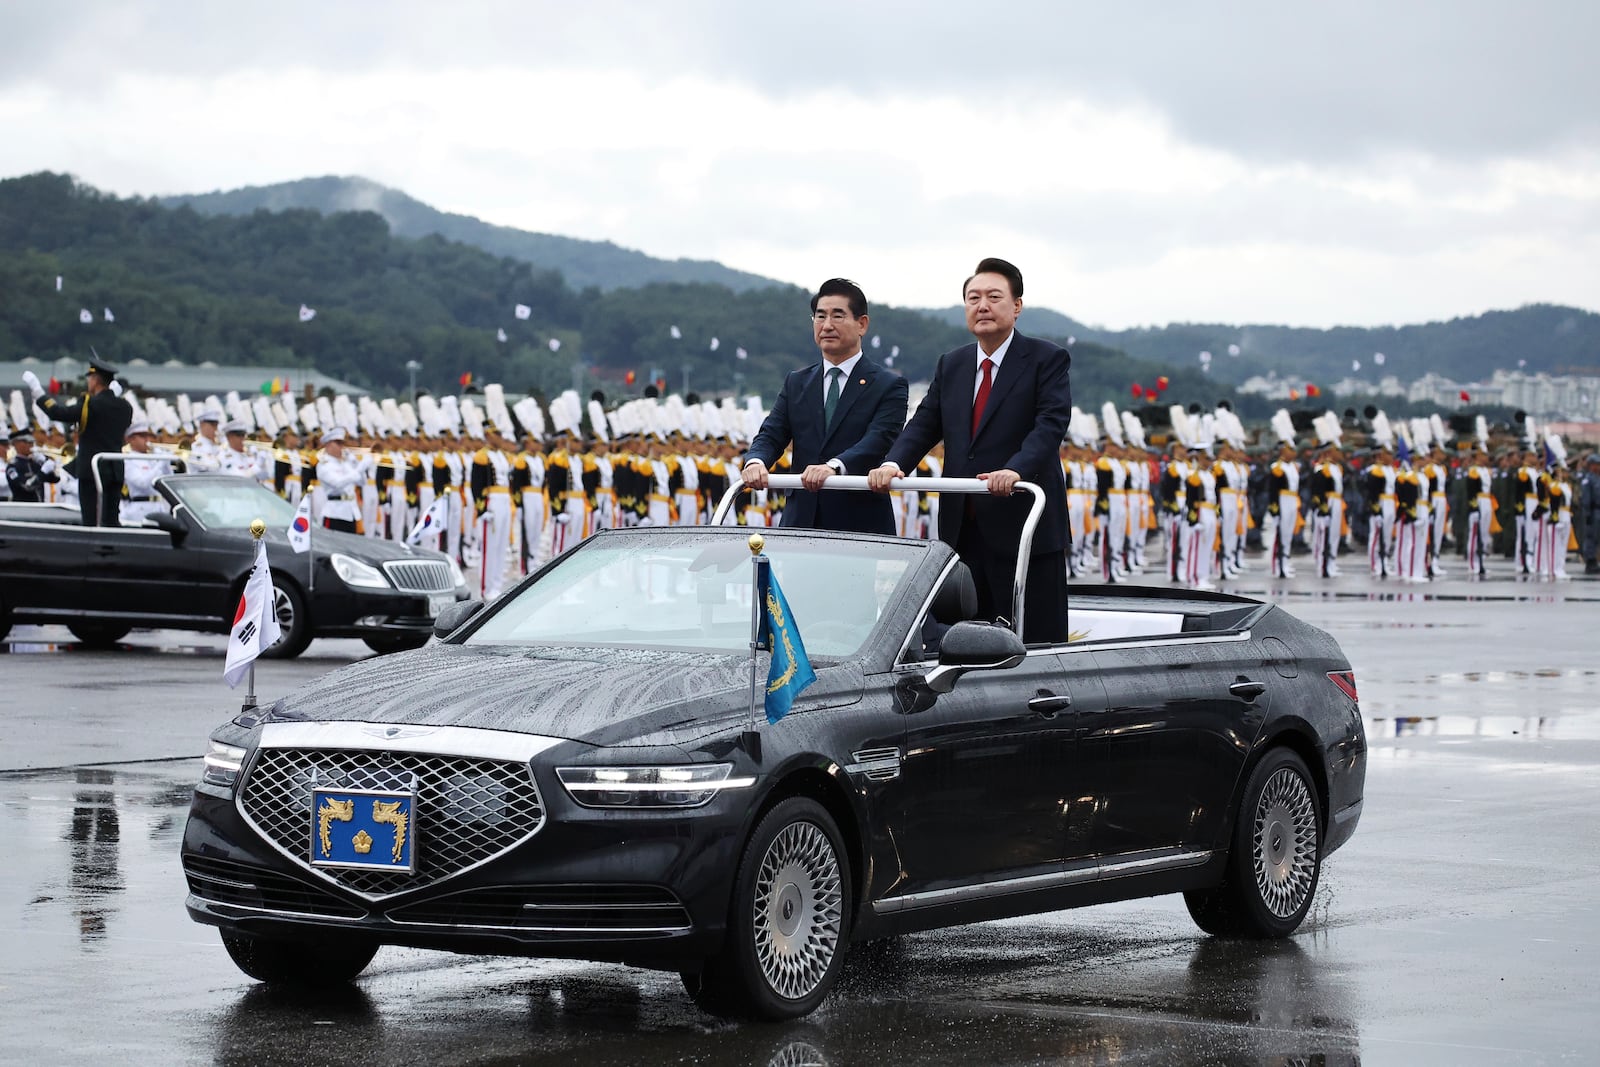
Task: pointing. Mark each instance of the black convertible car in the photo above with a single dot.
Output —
(582, 770)
(185, 568)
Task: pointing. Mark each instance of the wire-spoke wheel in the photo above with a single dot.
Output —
(789, 922)
(1275, 859)
(1285, 843)
(797, 910)
(294, 621)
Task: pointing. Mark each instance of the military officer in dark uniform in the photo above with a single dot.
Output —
(27, 473)
(102, 418)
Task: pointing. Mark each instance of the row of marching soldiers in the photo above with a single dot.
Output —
(1400, 495)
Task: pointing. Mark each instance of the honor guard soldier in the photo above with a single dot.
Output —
(5, 459)
(139, 496)
(1437, 471)
(1283, 498)
(288, 466)
(236, 459)
(1174, 495)
(1481, 525)
(492, 493)
(340, 476)
(535, 502)
(1410, 488)
(1525, 497)
(1557, 525)
(205, 454)
(1381, 503)
(27, 474)
(102, 418)
(1589, 507)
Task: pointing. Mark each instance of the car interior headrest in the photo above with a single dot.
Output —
(957, 598)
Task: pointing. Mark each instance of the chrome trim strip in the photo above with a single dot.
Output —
(469, 741)
(986, 890)
(581, 933)
(319, 916)
(1348, 812)
(1152, 642)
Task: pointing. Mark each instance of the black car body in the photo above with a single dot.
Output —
(185, 569)
(987, 780)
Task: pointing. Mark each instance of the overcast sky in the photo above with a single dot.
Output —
(1355, 163)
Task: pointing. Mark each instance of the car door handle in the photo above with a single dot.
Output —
(1047, 704)
(105, 550)
(1247, 690)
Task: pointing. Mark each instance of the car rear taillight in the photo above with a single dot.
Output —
(1346, 681)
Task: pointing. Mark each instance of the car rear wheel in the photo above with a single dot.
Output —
(294, 621)
(789, 922)
(1276, 858)
(98, 634)
(385, 645)
(318, 963)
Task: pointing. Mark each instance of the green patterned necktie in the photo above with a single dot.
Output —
(831, 400)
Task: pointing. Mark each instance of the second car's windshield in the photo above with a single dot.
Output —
(693, 592)
(230, 504)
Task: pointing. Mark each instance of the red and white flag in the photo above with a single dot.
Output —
(432, 522)
(299, 530)
(255, 624)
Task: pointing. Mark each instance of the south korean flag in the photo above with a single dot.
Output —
(255, 624)
(299, 531)
(432, 522)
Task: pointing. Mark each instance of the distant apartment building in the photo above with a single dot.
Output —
(1545, 396)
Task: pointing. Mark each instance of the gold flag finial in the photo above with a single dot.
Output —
(757, 543)
(258, 529)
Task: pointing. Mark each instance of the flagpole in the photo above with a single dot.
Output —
(258, 530)
(757, 543)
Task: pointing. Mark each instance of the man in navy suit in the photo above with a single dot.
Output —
(1001, 407)
(840, 415)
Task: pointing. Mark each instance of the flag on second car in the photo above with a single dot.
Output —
(255, 623)
(790, 671)
(300, 526)
(433, 520)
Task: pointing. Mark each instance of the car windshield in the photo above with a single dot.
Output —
(693, 592)
(230, 504)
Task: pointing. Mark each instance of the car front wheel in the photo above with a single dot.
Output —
(311, 964)
(1276, 858)
(98, 634)
(788, 927)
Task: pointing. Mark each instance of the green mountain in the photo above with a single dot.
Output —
(583, 263)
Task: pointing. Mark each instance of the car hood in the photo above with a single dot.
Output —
(606, 697)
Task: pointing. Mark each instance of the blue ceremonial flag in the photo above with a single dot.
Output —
(1402, 452)
(791, 667)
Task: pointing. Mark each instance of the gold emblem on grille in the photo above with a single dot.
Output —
(342, 810)
(362, 842)
(390, 813)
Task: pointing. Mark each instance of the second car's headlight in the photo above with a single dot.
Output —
(456, 577)
(352, 571)
(649, 787)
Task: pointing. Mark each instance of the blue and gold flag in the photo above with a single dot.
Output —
(791, 667)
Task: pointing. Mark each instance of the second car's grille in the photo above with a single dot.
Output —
(467, 810)
(420, 575)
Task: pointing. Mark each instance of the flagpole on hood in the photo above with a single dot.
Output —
(258, 530)
(758, 568)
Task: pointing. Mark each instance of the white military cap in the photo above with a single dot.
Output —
(211, 415)
(335, 433)
(137, 426)
(236, 426)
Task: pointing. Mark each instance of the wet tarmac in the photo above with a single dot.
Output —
(1459, 926)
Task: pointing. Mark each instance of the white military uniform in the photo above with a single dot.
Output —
(139, 488)
(341, 480)
(205, 455)
(535, 512)
(1480, 516)
(494, 521)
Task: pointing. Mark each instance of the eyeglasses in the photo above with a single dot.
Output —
(835, 315)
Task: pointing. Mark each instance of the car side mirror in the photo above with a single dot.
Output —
(451, 618)
(174, 526)
(974, 646)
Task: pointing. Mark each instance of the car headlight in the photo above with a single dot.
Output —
(352, 571)
(455, 572)
(222, 764)
(649, 787)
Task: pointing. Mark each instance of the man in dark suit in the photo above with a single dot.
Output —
(102, 418)
(840, 416)
(1001, 407)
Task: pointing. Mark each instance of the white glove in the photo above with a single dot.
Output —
(116, 388)
(47, 466)
(563, 519)
(32, 381)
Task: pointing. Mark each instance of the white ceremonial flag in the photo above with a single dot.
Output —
(555, 344)
(715, 344)
(110, 317)
(300, 526)
(522, 311)
(85, 316)
(500, 335)
(58, 283)
(877, 341)
(740, 353)
(894, 350)
(255, 624)
(307, 314)
(433, 520)
(677, 334)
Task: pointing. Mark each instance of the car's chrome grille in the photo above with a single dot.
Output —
(225, 882)
(420, 575)
(574, 909)
(467, 810)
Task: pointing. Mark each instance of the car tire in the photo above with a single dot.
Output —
(789, 921)
(1276, 858)
(98, 634)
(383, 646)
(294, 620)
(309, 964)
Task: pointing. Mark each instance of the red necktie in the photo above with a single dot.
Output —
(983, 394)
